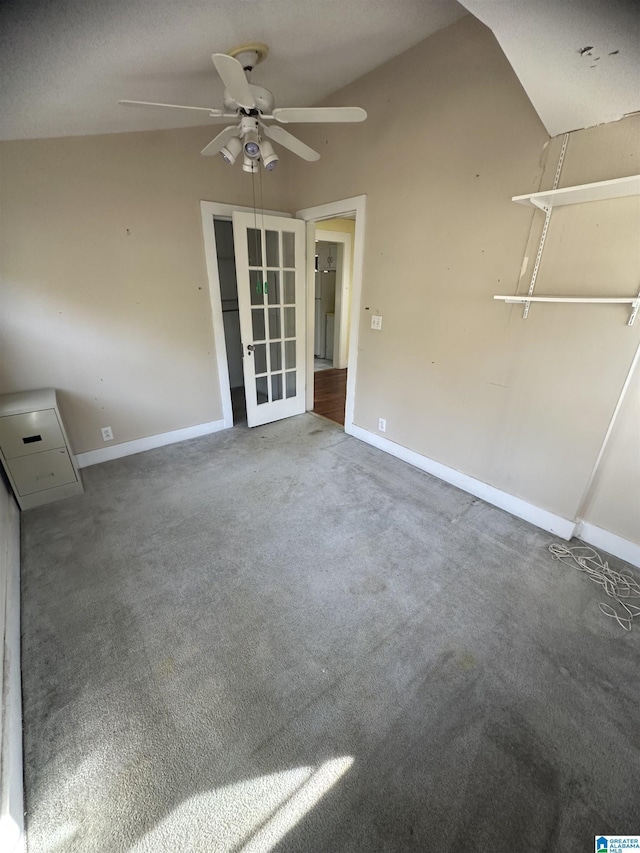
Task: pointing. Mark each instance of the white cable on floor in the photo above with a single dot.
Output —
(617, 585)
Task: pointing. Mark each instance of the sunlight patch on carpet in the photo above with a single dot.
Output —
(251, 816)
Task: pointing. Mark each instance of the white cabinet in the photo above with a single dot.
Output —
(327, 257)
(34, 449)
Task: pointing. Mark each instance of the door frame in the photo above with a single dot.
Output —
(343, 242)
(311, 215)
(208, 211)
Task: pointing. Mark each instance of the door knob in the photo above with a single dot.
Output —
(250, 347)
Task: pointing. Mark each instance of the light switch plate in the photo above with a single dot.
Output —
(376, 321)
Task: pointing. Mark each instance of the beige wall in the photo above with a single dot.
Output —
(104, 285)
(615, 498)
(344, 226)
(522, 405)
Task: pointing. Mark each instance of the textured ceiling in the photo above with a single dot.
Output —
(578, 60)
(64, 64)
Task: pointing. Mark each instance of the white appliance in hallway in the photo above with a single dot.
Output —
(325, 300)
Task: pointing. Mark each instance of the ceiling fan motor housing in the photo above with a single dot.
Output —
(263, 98)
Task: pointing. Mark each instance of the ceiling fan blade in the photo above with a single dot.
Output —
(211, 110)
(287, 140)
(234, 78)
(291, 115)
(220, 141)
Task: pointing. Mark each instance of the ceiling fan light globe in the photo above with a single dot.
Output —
(269, 156)
(251, 140)
(231, 150)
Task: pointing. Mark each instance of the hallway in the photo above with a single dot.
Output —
(330, 394)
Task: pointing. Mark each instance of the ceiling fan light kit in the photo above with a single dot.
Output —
(251, 105)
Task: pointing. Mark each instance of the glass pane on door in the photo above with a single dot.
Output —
(289, 322)
(273, 253)
(254, 245)
(276, 355)
(289, 354)
(274, 324)
(262, 389)
(288, 249)
(273, 287)
(260, 357)
(289, 278)
(256, 287)
(257, 322)
(276, 386)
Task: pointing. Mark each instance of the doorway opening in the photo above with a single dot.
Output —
(335, 248)
(332, 290)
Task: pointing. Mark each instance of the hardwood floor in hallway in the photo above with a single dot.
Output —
(330, 393)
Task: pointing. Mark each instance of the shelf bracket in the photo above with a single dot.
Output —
(546, 208)
(541, 205)
(536, 266)
(634, 310)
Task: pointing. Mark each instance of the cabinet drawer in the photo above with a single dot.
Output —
(42, 471)
(32, 432)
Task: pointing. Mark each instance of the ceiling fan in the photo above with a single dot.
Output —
(250, 106)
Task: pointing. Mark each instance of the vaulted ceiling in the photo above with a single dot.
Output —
(65, 64)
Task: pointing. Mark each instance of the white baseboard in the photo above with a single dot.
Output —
(556, 524)
(609, 542)
(128, 448)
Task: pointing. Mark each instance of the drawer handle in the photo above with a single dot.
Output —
(42, 476)
(29, 439)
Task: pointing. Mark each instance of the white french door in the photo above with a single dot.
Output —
(270, 269)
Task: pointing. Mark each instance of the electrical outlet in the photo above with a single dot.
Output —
(382, 425)
(107, 434)
(376, 322)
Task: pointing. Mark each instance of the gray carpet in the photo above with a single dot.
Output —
(284, 639)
